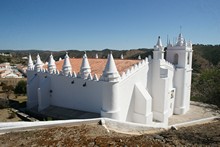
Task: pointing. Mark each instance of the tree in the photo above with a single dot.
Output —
(207, 86)
(8, 89)
(20, 88)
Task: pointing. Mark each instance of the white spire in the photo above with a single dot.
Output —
(180, 41)
(159, 42)
(139, 57)
(85, 69)
(30, 62)
(66, 65)
(96, 56)
(51, 64)
(158, 50)
(159, 45)
(39, 64)
(169, 44)
(110, 73)
(122, 57)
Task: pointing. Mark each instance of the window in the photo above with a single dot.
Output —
(176, 56)
(188, 58)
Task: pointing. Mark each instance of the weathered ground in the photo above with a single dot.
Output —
(96, 135)
(6, 105)
(6, 115)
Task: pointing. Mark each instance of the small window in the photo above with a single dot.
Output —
(176, 56)
(188, 58)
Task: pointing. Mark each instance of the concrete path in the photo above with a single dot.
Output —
(197, 111)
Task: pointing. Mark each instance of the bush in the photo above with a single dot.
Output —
(20, 88)
(207, 86)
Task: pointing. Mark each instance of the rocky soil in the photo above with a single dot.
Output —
(6, 115)
(96, 135)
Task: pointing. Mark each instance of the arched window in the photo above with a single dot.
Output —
(176, 56)
(188, 58)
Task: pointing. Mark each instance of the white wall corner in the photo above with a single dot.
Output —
(43, 93)
(143, 105)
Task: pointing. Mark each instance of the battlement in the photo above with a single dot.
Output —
(93, 77)
(90, 69)
(130, 71)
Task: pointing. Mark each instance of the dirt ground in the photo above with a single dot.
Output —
(96, 135)
(6, 115)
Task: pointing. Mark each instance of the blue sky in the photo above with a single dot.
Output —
(100, 24)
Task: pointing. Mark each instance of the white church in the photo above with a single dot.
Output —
(139, 91)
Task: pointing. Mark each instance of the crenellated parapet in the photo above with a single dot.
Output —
(85, 71)
(109, 74)
(136, 67)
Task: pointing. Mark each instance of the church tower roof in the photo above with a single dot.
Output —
(110, 72)
(180, 40)
(66, 65)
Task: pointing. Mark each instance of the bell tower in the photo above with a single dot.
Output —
(180, 54)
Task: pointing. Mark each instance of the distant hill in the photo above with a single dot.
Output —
(209, 52)
(204, 56)
(18, 54)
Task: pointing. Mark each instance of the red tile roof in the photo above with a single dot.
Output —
(98, 65)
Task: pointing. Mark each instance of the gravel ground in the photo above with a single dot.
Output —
(96, 135)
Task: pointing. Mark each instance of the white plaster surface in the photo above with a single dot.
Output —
(147, 93)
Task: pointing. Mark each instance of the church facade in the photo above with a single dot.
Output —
(142, 91)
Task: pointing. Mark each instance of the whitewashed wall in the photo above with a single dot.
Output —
(128, 96)
(160, 87)
(118, 100)
(32, 86)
